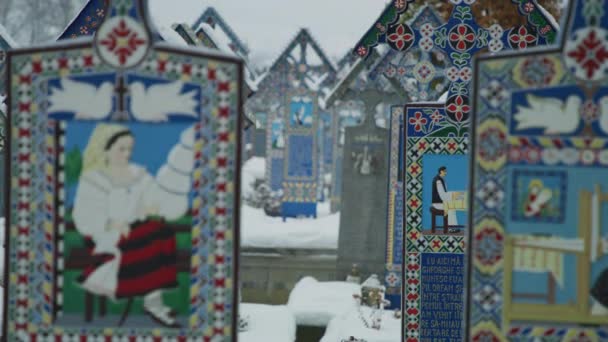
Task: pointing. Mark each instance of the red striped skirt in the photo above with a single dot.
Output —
(148, 262)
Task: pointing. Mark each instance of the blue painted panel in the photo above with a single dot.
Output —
(301, 154)
(442, 295)
(293, 209)
(276, 170)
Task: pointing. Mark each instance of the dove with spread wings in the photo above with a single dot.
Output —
(552, 114)
(158, 101)
(85, 100)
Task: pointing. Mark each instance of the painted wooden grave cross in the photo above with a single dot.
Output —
(122, 227)
(434, 145)
(538, 196)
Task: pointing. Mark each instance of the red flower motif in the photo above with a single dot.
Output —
(122, 41)
(459, 108)
(590, 54)
(590, 111)
(400, 4)
(424, 71)
(418, 121)
(401, 38)
(522, 38)
(462, 35)
(436, 116)
(361, 51)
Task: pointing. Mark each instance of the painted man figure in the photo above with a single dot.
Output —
(441, 194)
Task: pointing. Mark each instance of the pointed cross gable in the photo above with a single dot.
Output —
(306, 56)
(213, 19)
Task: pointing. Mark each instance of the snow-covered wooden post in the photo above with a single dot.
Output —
(123, 184)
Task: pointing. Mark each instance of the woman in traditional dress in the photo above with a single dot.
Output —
(114, 213)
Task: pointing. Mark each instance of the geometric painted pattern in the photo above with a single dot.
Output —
(416, 242)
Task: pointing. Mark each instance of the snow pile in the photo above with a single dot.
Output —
(252, 169)
(170, 35)
(267, 323)
(315, 303)
(350, 324)
(262, 231)
(3, 108)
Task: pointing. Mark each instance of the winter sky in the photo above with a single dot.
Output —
(267, 26)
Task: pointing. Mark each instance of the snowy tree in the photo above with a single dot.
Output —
(35, 21)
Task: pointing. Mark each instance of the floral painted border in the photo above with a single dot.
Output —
(212, 300)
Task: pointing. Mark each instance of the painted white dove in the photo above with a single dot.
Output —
(160, 100)
(550, 113)
(84, 99)
(604, 112)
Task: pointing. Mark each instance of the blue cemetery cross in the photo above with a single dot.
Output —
(439, 59)
(292, 75)
(538, 265)
(63, 98)
(300, 179)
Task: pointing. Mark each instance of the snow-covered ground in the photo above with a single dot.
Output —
(261, 231)
(316, 303)
(349, 324)
(267, 323)
(254, 168)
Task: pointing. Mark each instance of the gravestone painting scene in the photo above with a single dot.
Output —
(216, 170)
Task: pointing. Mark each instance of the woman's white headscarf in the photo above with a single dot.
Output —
(95, 152)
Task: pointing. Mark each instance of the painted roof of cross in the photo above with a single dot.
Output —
(353, 76)
(86, 22)
(215, 20)
(89, 17)
(418, 72)
(441, 57)
(304, 56)
(538, 19)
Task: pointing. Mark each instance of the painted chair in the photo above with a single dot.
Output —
(438, 212)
